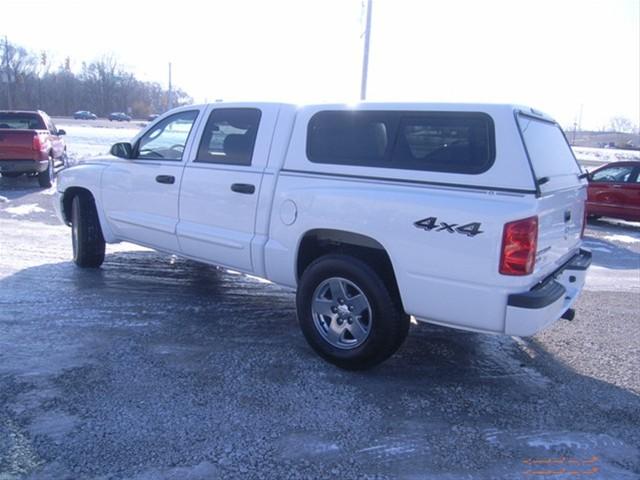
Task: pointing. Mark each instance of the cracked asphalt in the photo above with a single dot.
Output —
(154, 367)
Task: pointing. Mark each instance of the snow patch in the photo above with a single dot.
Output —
(622, 238)
(50, 191)
(4, 199)
(25, 209)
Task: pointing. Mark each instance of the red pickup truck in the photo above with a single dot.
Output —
(30, 144)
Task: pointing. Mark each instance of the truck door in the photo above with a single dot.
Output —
(610, 190)
(221, 185)
(140, 195)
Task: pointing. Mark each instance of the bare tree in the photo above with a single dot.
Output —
(622, 125)
(102, 86)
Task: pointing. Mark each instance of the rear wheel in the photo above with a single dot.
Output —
(86, 234)
(45, 178)
(347, 314)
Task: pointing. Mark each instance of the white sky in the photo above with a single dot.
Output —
(554, 55)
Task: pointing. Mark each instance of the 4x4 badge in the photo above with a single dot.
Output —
(431, 223)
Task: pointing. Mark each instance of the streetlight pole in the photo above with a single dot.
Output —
(365, 57)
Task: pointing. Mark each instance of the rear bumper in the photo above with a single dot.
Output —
(23, 166)
(530, 312)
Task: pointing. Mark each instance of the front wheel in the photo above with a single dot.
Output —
(347, 314)
(86, 234)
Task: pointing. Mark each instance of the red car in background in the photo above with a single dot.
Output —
(31, 144)
(614, 191)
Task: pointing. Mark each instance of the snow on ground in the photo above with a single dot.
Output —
(83, 142)
(622, 238)
(595, 157)
(26, 209)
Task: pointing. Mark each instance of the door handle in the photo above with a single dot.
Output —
(243, 188)
(165, 179)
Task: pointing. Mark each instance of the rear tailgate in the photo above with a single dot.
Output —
(17, 145)
(562, 192)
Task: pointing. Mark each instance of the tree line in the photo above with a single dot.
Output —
(30, 81)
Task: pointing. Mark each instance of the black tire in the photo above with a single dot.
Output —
(86, 234)
(63, 160)
(45, 179)
(388, 325)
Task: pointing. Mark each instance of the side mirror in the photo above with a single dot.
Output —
(122, 150)
(61, 132)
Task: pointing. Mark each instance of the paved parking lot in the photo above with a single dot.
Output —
(157, 367)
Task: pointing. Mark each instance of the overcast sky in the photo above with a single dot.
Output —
(555, 55)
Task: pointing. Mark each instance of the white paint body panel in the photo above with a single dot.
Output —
(446, 278)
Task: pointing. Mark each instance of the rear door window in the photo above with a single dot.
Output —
(229, 136)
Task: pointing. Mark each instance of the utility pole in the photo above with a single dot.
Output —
(170, 94)
(365, 57)
(580, 117)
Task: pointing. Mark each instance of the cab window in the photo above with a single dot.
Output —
(167, 139)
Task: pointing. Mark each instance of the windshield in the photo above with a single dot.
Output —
(21, 121)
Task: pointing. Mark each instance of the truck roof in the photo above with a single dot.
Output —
(438, 106)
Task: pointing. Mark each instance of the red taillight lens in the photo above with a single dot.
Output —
(584, 221)
(37, 144)
(519, 246)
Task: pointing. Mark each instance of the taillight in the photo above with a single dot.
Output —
(584, 222)
(519, 246)
(37, 144)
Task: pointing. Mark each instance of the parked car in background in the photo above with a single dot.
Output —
(84, 115)
(614, 191)
(152, 117)
(31, 144)
(119, 117)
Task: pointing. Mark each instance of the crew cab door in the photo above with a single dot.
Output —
(221, 185)
(140, 195)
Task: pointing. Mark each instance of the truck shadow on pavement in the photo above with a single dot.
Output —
(16, 188)
(157, 367)
(610, 255)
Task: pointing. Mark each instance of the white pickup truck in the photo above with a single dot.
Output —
(468, 216)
